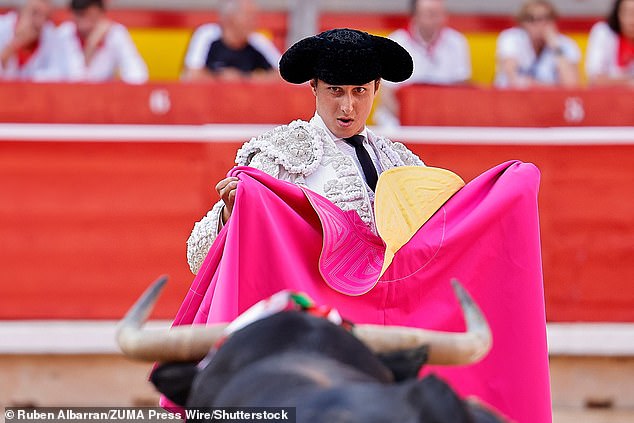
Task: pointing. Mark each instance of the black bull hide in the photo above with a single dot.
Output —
(293, 359)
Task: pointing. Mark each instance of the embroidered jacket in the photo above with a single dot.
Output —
(305, 154)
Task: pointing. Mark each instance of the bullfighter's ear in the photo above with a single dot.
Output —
(405, 364)
(174, 380)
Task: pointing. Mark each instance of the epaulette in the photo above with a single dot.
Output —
(297, 147)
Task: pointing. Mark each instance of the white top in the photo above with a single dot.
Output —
(602, 53)
(206, 34)
(116, 57)
(515, 43)
(349, 149)
(43, 65)
(446, 60)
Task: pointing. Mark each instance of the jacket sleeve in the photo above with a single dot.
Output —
(206, 230)
(203, 236)
(288, 152)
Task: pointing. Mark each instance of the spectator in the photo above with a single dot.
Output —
(441, 55)
(28, 47)
(534, 52)
(610, 54)
(231, 50)
(98, 49)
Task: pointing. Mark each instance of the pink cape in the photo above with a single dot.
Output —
(486, 235)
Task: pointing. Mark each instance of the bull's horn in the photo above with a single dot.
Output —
(180, 343)
(448, 348)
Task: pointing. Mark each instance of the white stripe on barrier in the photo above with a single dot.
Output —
(591, 339)
(240, 133)
(98, 337)
(124, 133)
(512, 136)
(62, 337)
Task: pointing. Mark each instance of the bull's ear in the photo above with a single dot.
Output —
(435, 401)
(174, 380)
(405, 364)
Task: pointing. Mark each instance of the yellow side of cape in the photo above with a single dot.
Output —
(406, 197)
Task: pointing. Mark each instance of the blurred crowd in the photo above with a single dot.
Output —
(92, 47)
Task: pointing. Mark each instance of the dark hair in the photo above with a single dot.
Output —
(315, 81)
(412, 7)
(78, 5)
(523, 14)
(613, 17)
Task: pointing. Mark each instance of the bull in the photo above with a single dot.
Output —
(294, 359)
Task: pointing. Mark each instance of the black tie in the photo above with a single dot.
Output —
(364, 158)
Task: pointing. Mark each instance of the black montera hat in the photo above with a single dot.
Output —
(345, 57)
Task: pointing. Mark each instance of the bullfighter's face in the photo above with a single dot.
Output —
(344, 108)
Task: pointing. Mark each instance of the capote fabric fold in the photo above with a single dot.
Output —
(283, 236)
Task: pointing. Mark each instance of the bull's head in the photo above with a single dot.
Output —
(191, 343)
(295, 359)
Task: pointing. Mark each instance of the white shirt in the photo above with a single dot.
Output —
(349, 149)
(602, 53)
(43, 65)
(206, 34)
(446, 60)
(515, 43)
(116, 57)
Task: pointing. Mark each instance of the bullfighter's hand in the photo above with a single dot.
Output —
(227, 191)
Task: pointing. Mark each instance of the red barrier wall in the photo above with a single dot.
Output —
(115, 102)
(279, 102)
(86, 226)
(471, 106)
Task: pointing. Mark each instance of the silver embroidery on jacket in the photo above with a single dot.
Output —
(299, 149)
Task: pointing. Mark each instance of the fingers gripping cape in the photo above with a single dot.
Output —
(281, 236)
